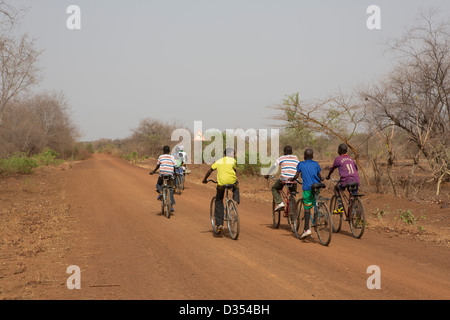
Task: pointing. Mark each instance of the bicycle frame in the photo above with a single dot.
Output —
(353, 210)
(347, 199)
(227, 216)
(286, 197)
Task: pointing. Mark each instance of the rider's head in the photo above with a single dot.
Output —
(342, 149)
(229, 152)
(287, 150)
(181, 148)
(309, 154)
(166, 149)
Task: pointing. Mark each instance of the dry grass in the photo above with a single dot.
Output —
(35, 232)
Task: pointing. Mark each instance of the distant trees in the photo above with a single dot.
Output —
(28, 123)
(38, 122)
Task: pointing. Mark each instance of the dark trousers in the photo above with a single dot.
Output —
(159, 188)
(219, 208)
(276, 188)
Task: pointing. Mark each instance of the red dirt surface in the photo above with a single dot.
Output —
(110, 226)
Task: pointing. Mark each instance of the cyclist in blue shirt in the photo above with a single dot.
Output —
(310, 173)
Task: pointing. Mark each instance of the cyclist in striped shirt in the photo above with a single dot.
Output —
(166, 164)
(288, 164)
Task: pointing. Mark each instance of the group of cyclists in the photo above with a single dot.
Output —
(291, 169)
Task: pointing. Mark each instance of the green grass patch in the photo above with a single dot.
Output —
(21, 164)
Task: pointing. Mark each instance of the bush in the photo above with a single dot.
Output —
(21, 164)
(47, 158)
(18, 164)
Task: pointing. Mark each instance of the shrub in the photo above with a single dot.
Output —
(17, 164)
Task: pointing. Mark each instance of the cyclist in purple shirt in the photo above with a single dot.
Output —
(348, 171)
(346, 166)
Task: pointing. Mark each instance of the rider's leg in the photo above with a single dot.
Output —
(277, 186)
(236, 196)
(219, 206)
(340, 207)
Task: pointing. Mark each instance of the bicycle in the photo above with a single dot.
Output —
(320, 218)
(352, 208)
(179, 181)
(231, 215)
(166, 203)
(290, 207)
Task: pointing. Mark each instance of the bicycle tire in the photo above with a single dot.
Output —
(297, 221)
(178, 185)
(167, 204)
(323, 224)
(212, 215)
(357, 219)
(292, 214)
(276, 216)
(233, 219)
(182, 181)
(336, 218)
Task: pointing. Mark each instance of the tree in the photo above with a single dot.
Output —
(337, 117)
(414, 97)
(18, 60)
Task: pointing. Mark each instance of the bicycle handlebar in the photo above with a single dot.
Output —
(211, 181)
(273, 178)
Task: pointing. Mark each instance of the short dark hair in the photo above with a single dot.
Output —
(166, 149)
(228, 152)
(287, 150)
(342, 149)
(309, 154)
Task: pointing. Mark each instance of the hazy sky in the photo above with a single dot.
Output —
(220, 61)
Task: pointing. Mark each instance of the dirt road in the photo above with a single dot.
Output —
(127, 250)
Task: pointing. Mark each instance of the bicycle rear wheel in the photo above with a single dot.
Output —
(276, 216)
(166, 202)
(178, 185)
(299, 218)
(182, 181)
(233, 219)
(324, 227)
(212, 215)
(336, 218)
(357, 218)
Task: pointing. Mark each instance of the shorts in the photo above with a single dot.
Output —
(308, 199)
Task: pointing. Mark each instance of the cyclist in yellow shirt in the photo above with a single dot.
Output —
(226, 175)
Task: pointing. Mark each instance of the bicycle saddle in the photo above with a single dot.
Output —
(228, 186)
(317, 186)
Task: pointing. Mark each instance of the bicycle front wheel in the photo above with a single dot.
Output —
(357, 218)
(336, 218)
(212, 214)
(324, 227)
(276, 216)
(233, 219)
(299, 217)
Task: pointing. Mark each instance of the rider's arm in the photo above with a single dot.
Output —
(320, 176)
(154, 171)
(205, 180)
(333, 167)
(295, 177)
